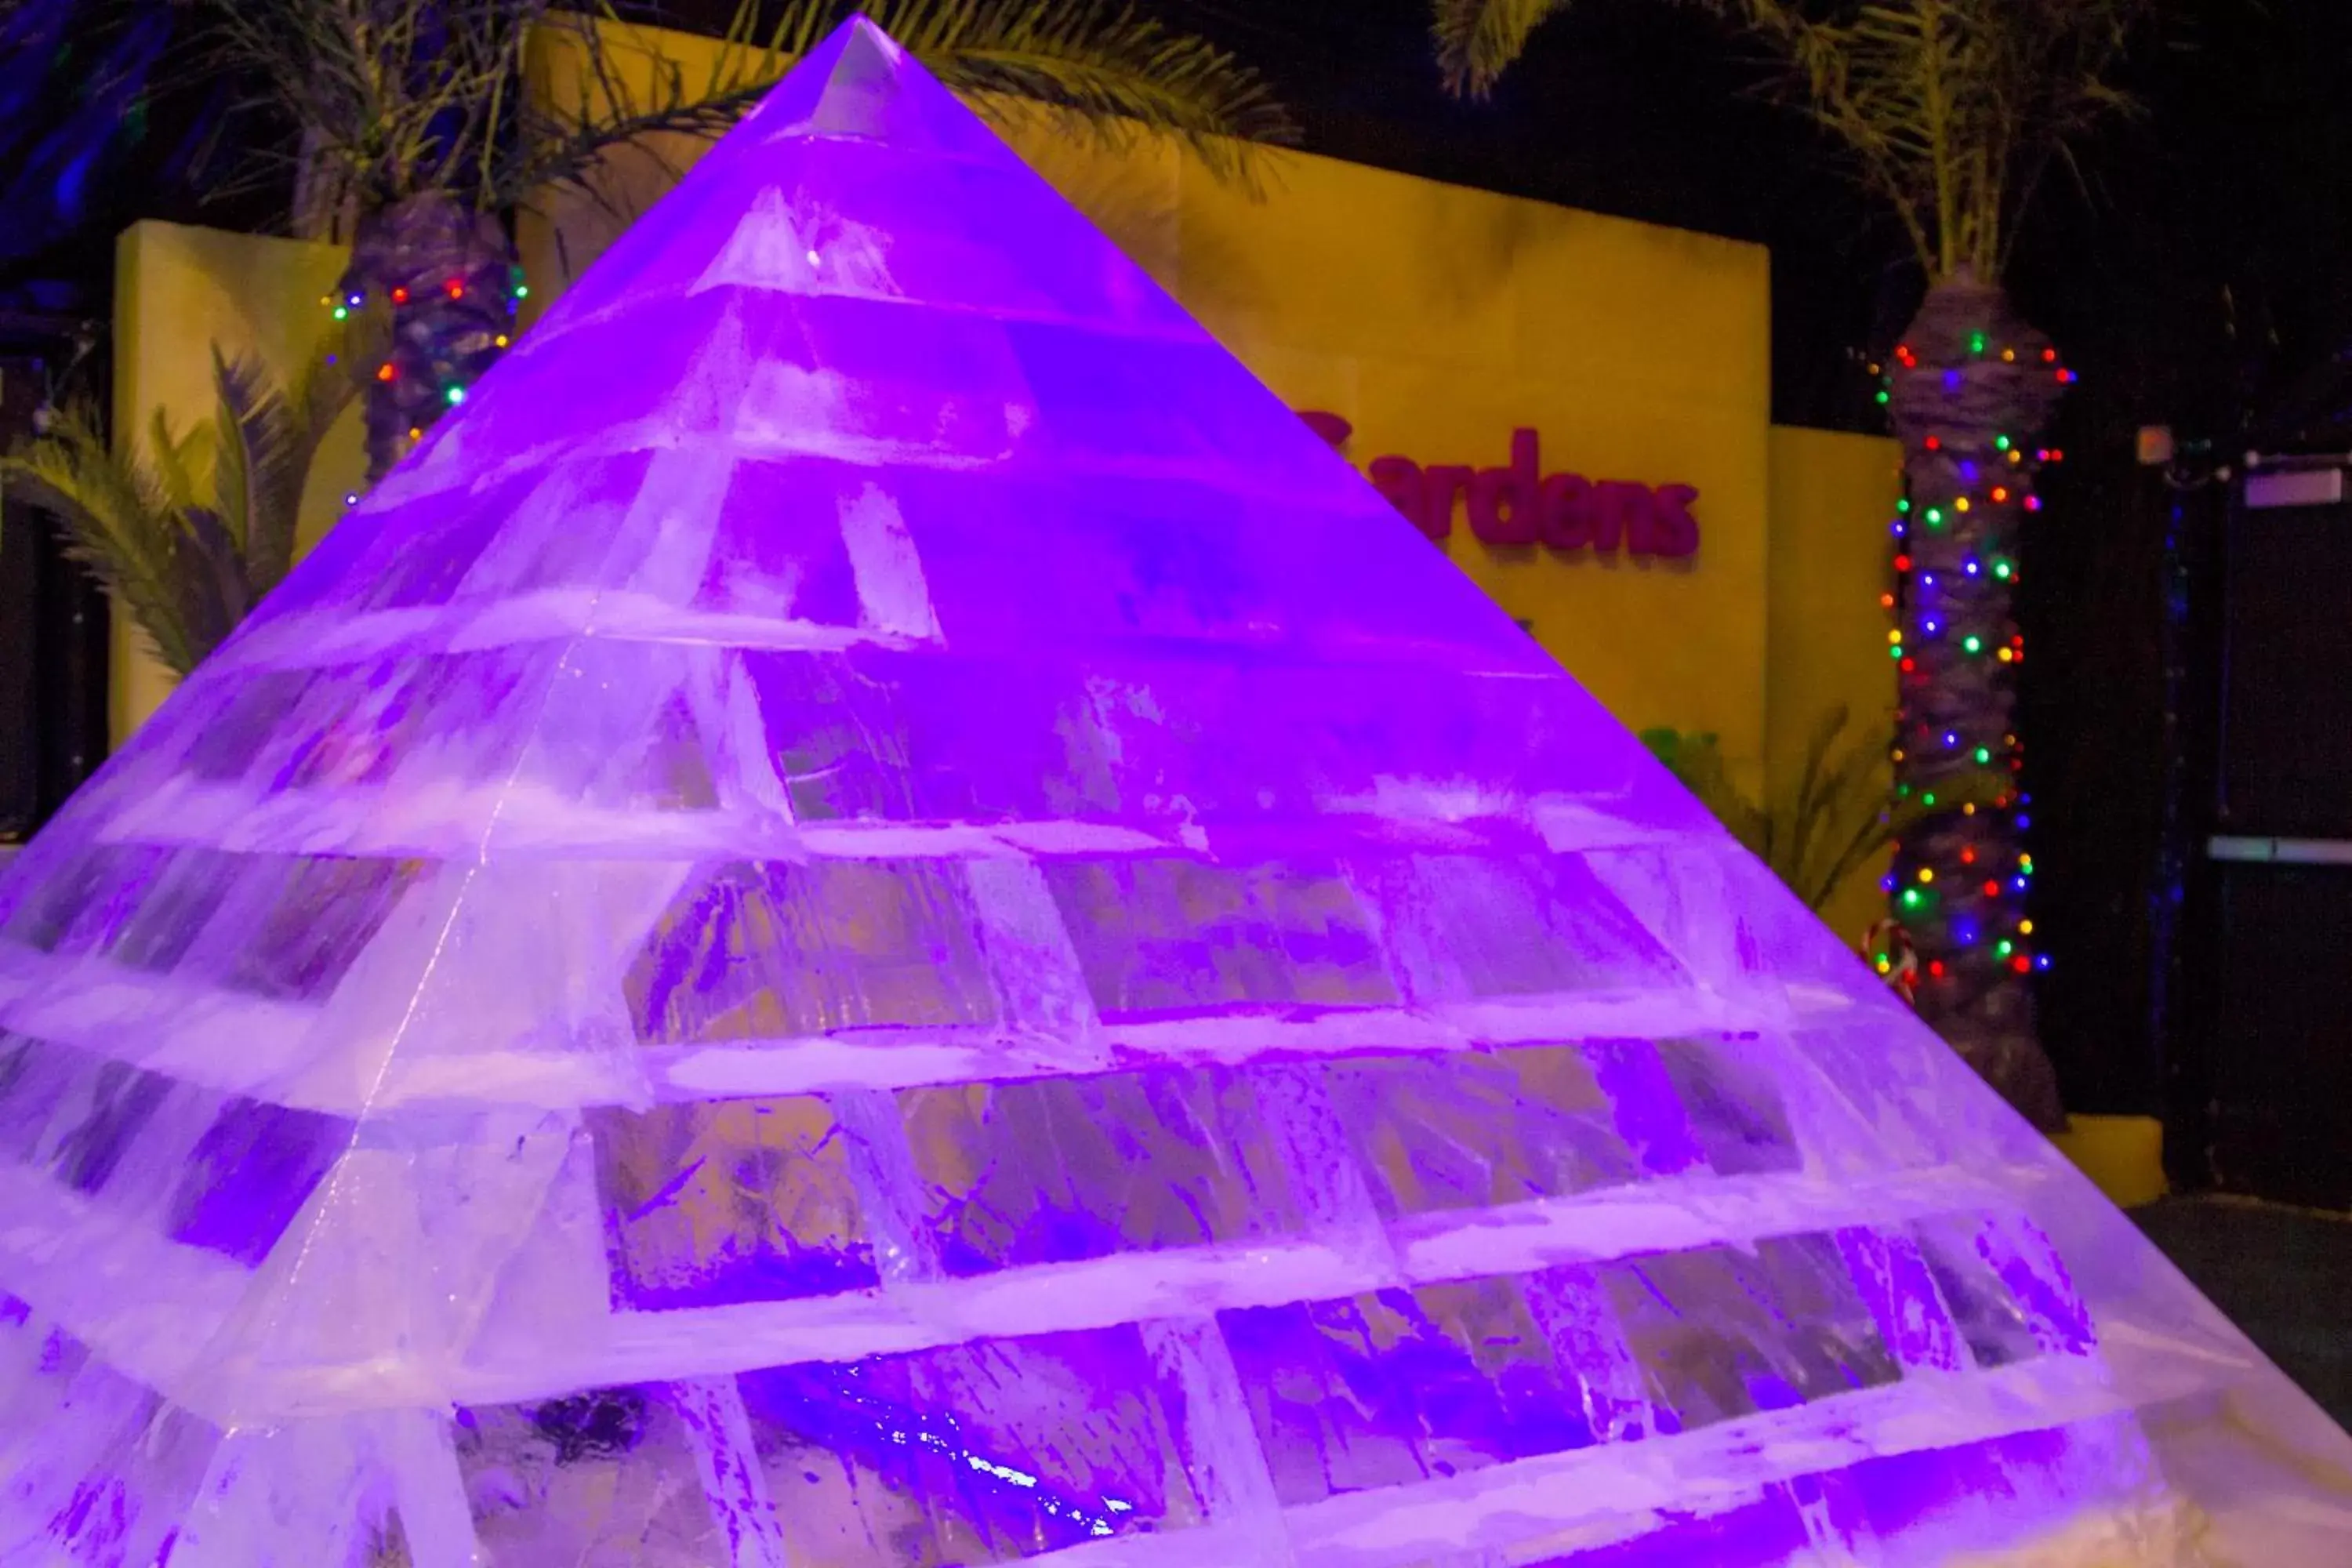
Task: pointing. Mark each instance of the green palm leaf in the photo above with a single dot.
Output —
(266, 438)
(211, 579)
(119, 524)
(1477, 40)
(247, 428)
(176, 460)
(398, 98)
(189, 537)
(1951, 109)
(1118, 73)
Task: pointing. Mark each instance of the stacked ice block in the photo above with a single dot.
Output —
(874, 916)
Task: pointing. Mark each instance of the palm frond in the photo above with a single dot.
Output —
(118, 525)
(189, 535)
(1951, 109)
(247, 416)
(1843, 811)
(318, 399)
(565, 133)
(177, 459)
(1954, 107)
(1478, 41)
(1698, 765)
(401, 97)
(212, 578)
(393, 96)
(266, 438)
(1118, 72)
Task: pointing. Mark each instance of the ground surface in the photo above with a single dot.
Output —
(2285, 1275)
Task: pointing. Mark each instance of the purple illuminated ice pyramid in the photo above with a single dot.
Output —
(874, 918)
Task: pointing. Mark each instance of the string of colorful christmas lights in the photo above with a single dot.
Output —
(447, 289)
(1966, 392)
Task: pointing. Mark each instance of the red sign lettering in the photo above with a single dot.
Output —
(1520, 504)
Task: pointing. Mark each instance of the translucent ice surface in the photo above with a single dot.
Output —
(874, 916)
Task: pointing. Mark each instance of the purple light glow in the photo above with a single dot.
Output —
(921, 934)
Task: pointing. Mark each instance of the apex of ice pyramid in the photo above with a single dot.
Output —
(860, 84)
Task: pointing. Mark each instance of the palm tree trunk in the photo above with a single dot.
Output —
(443, 278)
(1971, 390)
(323, 206)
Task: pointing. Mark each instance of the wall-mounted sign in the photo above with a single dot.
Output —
(1521, 504)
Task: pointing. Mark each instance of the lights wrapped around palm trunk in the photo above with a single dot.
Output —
(1969, 389)
(440, 283)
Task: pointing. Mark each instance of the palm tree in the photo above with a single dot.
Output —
(417, 134)
(188, 541)
(1952, 111)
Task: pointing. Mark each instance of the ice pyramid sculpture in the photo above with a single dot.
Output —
(873, 918)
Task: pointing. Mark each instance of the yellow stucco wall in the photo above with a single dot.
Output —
(178, 293)
(1435, 319)
(1830, 499)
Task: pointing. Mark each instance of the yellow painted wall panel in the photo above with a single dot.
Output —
(1346, 258)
